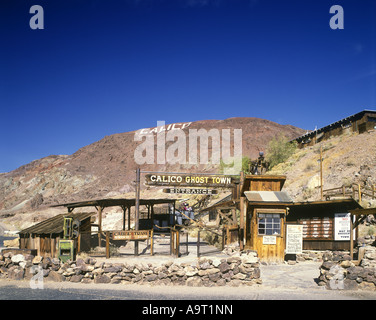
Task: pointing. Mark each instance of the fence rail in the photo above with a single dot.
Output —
(355, 191)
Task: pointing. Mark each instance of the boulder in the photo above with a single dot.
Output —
(16, 259)
(16, 273)
(102, 279)
(194, 282)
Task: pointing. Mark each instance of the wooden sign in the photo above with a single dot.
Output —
(294, 238)
(317, 228)
(187, 180)
(190, 191)
(131, 235)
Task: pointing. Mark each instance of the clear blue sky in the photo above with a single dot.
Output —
(103, 67)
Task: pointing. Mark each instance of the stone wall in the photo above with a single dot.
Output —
(231, 271)
(339, 272)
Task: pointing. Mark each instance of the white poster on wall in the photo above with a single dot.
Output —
(342, 226)
(294, 238)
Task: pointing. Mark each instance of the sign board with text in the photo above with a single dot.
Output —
(342, 226)
(190, 180)
(269, 240)
(294, 238)
(190, 191)
(131, 235)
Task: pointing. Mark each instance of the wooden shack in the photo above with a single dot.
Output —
(326, 224)
(44, 236)
(360, 122)
(265, 210)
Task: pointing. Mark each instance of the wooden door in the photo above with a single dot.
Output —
(267, 234)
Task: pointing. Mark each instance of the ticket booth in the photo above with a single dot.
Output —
(266, 209)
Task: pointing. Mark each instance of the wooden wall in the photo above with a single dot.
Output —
(361, 125)
(254, 241)
(46, 244)
(263, 183)
(318, 225)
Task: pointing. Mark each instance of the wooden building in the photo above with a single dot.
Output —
(320, 220)
(44, 236)
(360, 122)
(266, 211)
(126, 205)
(264, 208)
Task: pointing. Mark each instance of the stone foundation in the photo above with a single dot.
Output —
(338, 272)
(231, 271)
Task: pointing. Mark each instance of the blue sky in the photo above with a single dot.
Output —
(103, 67)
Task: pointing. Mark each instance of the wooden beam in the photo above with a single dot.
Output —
(100, 209)
(124, 210)
(224, 216)
(351, 238)
(107, 245)
(129, 218)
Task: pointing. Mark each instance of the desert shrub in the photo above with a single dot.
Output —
(245, 165)
(279, 150)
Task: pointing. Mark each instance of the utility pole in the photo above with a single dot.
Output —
(321, 183)
(137, 208)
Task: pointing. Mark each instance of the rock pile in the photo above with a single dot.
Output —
(339, 272)
(231, 271)
(309, 255)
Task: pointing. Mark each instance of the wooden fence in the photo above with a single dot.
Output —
(355, 191)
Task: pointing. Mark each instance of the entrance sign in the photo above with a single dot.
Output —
(190, 180)
(269, 240)
(342, 226)
(190, 191)
(294, 238)
(131, 235)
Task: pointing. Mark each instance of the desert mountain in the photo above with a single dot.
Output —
(106, 168)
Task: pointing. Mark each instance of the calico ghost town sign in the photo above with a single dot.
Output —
(187, 180)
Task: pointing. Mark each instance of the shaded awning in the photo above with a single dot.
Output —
(54, 225)
(111, 202)
(268, 196)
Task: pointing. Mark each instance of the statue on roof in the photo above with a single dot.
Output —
(259, 166)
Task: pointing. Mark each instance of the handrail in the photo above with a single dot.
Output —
(351, 191)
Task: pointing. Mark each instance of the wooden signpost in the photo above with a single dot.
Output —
(190, 180)
(131, 235)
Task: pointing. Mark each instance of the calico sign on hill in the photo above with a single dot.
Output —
(187, 180)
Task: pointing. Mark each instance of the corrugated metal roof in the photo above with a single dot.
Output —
(268, 196)
(54, 224)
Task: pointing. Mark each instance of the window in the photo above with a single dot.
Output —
(269, 224)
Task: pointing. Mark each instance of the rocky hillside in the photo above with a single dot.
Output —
(106, 168)
(347, 158)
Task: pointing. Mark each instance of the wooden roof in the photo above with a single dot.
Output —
(350, 202)
(336, 124)
(54, 225)
(113, 202)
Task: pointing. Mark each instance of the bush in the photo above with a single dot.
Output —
(245, 165)
(279, 150)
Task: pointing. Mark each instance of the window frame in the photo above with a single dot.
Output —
(273, 215)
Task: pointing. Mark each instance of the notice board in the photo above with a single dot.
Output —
(294, 238)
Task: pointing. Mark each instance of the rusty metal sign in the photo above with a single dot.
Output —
(131, 235)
